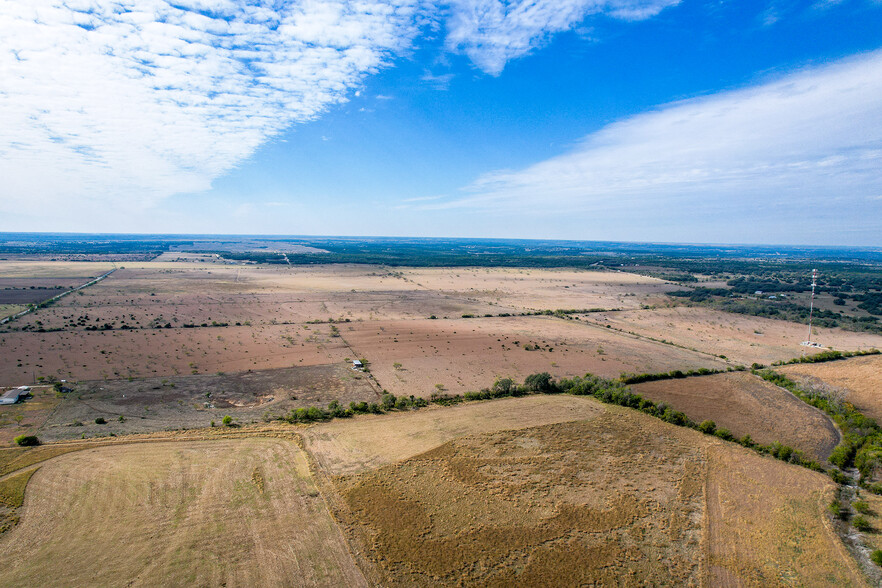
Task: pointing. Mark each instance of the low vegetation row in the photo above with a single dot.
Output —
(627, 378)
(829, 355)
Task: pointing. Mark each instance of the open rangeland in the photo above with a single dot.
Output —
(541, 289)
(748, 405)
(241, 512)
(114, 354)
(619, 498)
(742, 338)
(368, 442)
(470, 354)
(860, 378)
(155, 404)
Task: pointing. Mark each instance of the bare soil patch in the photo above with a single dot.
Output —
(744, 339)
(239, 512)
(748, 405)
(154, 404)
(367, 442)
(860, 377)
(470, 354)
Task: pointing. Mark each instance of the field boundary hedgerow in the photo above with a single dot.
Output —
(829, 355)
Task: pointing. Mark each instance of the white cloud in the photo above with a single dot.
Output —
(493, 32)
(119, 103)
(808, 145)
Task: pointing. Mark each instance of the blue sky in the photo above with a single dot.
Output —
(634, 120)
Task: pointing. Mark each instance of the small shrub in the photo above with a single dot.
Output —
(121, 419)
(707, 427)
(876, 556)
(27, 440)
(861, 523)
(725, 434)
(227, 420)
(838, 477)
(861, 506)
(100, 421)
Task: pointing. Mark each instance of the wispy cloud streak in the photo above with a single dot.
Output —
(809, 143)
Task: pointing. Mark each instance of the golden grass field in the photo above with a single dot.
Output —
(620, 498)
(748, 405)
(238, 512)
(860, 377)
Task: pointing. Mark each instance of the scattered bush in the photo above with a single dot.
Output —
(227, 420)
(100, 421)
(876, 557)
(27, 440)
(707, 427)
(861, 506)
(861, 523)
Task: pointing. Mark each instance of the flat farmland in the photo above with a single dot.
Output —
(541, 289)
(20, 269)
(470, 354)
(96, 355)
(859, 377)
(241, 512)
(744, 339)
(619, 498)
(746, 404)
(194, 401)
(368, 442)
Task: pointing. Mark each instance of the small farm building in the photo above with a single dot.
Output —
(356, 364)
(14, 395)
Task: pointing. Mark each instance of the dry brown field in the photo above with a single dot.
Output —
(470, 354)
(747, 404)
(156, 404)
(367, 442)
(241, 512)
(28, 269)
(618, 499)
(860, 377)
(96, 355)
(741, 338)
(541, 289)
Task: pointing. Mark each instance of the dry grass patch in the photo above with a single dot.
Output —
(368, 442)
(767, 524)
(607, 501)
(748, 405)
(470, 354)
(741, 338)
(621, 499)
(860, 377)
(239, 512)
(12, 489)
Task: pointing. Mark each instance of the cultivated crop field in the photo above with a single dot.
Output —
(748, 405)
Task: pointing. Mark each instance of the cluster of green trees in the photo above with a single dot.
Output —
(335, 410)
